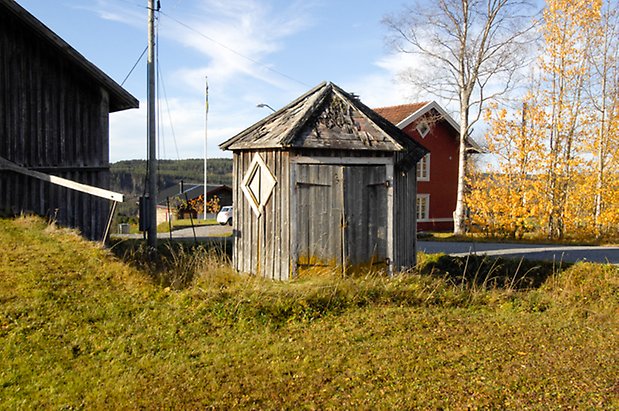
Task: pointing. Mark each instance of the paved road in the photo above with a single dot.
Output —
(529, 251)
(201, 232)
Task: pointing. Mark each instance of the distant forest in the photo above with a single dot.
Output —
(128, 177)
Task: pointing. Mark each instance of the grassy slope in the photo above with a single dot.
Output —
(80, 329)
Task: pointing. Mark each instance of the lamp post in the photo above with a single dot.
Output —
(262, 105)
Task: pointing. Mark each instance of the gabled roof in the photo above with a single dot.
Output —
(397, 114)
(403, 115)
(120, 99)
(326, 117)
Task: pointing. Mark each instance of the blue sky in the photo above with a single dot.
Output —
(308, 41)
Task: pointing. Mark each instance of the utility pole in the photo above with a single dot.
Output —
(206, 148)
(151, 128)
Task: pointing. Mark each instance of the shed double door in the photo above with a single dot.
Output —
(341, 215)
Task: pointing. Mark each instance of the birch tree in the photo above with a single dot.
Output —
(557, 161)
(505, 201)
(603, 99)
(568, 27)
(467, 51)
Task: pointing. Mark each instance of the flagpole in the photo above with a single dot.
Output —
(206, 148)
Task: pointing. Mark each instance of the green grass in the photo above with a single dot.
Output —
(79, 328)
(176, 225)
(184, 223)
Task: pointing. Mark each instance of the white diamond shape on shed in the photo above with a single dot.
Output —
(258, 184)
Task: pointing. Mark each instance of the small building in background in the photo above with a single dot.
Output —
(171, 197)
(324, 182)
(54, 126)
(437, 173)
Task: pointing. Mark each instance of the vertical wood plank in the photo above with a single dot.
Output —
(392, 240)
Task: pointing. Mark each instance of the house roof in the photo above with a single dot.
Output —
(397, 114)
(405, 114)
(120, 99)
(326, 117)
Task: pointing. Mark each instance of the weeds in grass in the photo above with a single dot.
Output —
(174, 264)
(482, 273)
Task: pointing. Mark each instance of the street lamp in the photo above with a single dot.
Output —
(262, 105)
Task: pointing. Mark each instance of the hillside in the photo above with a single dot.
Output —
(81, 329)
(128, 176)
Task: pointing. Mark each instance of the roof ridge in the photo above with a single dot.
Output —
(124, 99)
(366, 111)
(420, 103)
(293, 126)
(239, 136)
(302, 121)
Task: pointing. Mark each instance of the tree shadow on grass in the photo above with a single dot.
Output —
(483, 272)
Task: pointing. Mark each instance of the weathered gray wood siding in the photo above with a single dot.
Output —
(341, 211)
(340, 214)
(317, 224)
(405, 224)
(262, 244)
(324, 214)
(55, 120)
(366, 212)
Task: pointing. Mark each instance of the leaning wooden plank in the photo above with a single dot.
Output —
(84, 188)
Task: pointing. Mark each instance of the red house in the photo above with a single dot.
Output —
(437, 172)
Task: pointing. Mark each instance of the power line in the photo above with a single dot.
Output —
(165, 97)
(233, 51)
(160, 137)
(134, 66)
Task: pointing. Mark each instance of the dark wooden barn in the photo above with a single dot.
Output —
(325, 181)
(54, 126)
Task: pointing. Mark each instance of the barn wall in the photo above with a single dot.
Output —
(405, 225)
(53, 120)
(262, 244)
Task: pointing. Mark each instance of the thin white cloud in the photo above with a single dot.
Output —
(121, 13)
(250, 31)
(383, 87)
(237, 36)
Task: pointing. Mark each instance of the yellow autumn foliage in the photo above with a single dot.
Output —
(555, 170)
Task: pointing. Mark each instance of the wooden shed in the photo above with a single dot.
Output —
(54, 116)
(325, 181)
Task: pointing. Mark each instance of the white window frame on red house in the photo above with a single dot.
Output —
(423, 168)
(423, 207)
(423, 129)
